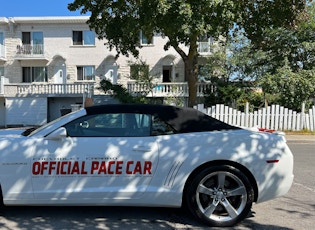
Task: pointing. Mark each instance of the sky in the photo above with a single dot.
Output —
(31, 8)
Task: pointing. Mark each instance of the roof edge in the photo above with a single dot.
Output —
(46, 19)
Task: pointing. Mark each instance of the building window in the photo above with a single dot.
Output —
(2, 50)
(86, 38)
(1, 71)
(139, 71)
(205, 44)
(85, 73)
(32, 43)
(34, 74)
(1, 38)
(144, 40)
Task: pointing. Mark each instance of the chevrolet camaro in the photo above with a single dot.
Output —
(145, 155)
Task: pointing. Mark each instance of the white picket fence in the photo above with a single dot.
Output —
(273, 117)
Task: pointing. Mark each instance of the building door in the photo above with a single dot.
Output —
(60, 78)
(111, 73)
(60, 74)
(167, 73)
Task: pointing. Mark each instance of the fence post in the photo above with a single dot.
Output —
(303, 116)
(246, 114)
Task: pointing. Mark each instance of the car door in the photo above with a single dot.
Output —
(15, 161)
(104, 156)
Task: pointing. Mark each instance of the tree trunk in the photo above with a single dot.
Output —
(192, 82)
(191, 69)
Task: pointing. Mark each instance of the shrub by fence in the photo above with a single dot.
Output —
(272, 117)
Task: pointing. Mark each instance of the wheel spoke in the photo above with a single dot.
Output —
(203, 189)
(229, 208)
(236, 192)
(209, 210)
(221, 180)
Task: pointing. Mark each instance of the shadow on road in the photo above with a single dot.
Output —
(38, 218)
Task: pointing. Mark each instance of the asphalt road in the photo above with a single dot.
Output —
(296, 210)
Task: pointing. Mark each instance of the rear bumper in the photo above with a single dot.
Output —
(278, 177)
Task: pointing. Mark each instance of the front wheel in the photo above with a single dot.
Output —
(220, 196)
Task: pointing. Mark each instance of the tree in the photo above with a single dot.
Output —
(183, 22)
(292, 88)
(118, 92)
(284, 46)
(244, 62)
(287, 60)
(141, 74)
(216, 64)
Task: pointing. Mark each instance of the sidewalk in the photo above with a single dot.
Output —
(300, 137)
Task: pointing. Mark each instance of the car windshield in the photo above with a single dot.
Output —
(32, 131)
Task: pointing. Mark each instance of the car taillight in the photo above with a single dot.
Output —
(266, 130)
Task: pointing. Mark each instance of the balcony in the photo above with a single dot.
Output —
(176, 89)
(51, 90)
(78, 89)
(30, 52)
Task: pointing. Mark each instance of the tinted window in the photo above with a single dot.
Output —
(159, 127)
(110, 125)
(85, 37)
(89, 37)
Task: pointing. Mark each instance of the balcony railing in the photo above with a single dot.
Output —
(179, 89)
(28, 50)
(73, 89)
(27, 89)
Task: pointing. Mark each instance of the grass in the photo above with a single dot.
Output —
(301, 132)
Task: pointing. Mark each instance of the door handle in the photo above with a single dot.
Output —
(141, 148)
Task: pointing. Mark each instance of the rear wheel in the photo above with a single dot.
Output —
(220, 196)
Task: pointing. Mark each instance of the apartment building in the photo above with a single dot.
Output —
(51, 64)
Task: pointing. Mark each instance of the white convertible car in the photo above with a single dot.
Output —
(145, 155)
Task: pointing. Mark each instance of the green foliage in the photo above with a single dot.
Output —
(176, 101)
(141, 74)
(261, 16)
(215, 65)
(291, 88)
(183, 22)
(225, 93)
(120, 93)
(243, 61)
(287, 45)
(281, 62)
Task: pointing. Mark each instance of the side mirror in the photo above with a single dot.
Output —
(57, 134)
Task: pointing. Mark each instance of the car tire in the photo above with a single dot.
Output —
(220, 196)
